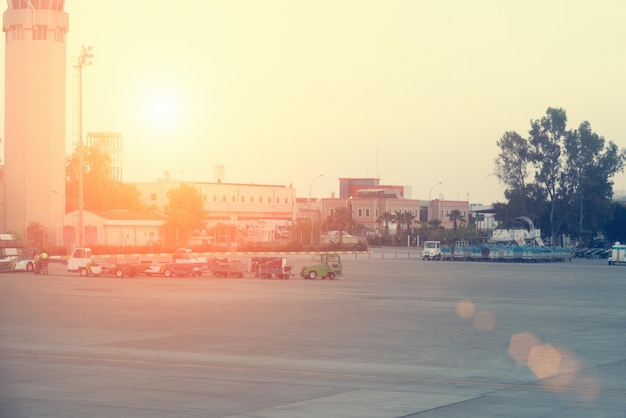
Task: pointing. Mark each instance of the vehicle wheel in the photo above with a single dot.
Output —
(331, 275)
(30, 267)
(167, 273)
(83, 272)
(119, 273)
(312, 274)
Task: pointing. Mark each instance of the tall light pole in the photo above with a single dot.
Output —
(311, 184)
(62, 238)
(84, 60)
(430, 200)
(310, 187)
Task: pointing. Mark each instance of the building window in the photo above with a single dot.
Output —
(331, 211)
(214, 198)
(261, 199)
(269, 200)
(251, 199)
(286, 201)
(367, 212)
(376, 213)
(234, 199)
(243, 199)
(359, 212)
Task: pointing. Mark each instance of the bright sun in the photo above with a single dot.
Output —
(162, 111)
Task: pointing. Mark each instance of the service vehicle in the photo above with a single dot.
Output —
(14, 256)
(618, 254)
(18, 259)
(82, 261)
(326, 266)
(184, 263)
(337, 237)
(432, 250)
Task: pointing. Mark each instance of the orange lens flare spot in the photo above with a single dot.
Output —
(465, 309)
(520, 346)
(484, 321)
(544, 361)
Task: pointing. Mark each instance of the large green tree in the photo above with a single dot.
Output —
(590, 167)
(570, 187)
(546, 138)
(184, 213)
(101, 190)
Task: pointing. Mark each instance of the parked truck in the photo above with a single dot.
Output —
(340, 237)
(432, 250)
(184, 263)
(326, 266)
(83, 262)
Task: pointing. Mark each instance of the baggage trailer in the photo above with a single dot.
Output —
(179, 269)
(268, 267)
(223, 267)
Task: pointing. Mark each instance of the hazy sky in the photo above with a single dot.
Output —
(414, 92)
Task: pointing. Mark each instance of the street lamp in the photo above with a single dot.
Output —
(84, 60)
(430, 200)
(62, 238)
(311, 184)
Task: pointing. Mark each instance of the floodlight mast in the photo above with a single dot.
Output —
(84, 60)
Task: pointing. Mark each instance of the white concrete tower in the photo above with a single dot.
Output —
(34, 103)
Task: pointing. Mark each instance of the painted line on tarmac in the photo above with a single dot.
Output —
(310, 373)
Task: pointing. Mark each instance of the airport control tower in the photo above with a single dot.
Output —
(34, 103)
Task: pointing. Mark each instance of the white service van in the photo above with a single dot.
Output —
(432, 250)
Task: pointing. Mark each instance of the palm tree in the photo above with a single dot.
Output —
(456, 216)
(406, 219)
(387, 218)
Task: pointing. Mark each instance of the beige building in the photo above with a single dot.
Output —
(116, 228)
(366, 211)
(34, 113)
(229, 201)
(441, 209)
(260, 212)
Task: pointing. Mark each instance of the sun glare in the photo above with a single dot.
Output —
(162, 111)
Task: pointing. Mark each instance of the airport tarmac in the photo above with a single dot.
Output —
(397, 337)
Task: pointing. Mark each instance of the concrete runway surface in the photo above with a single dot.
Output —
(395, 338)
